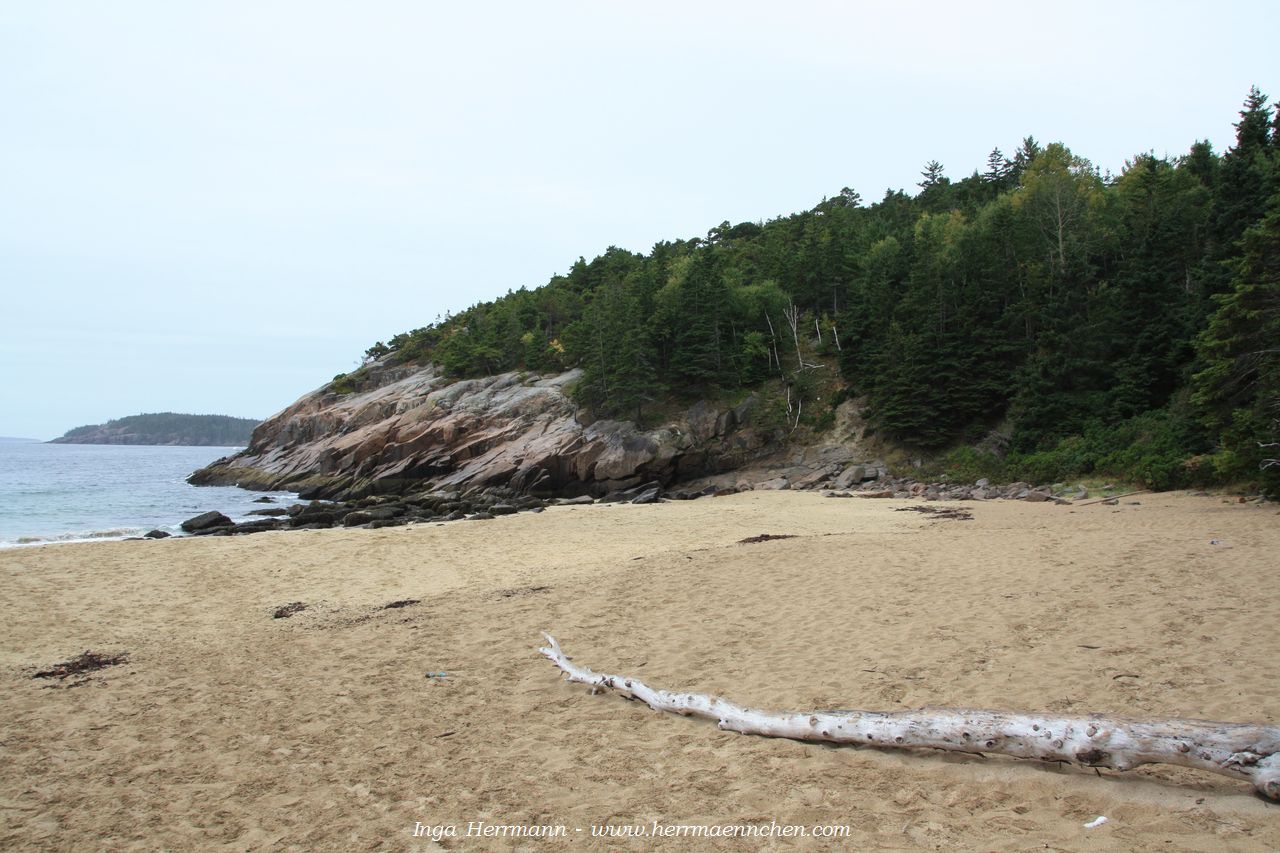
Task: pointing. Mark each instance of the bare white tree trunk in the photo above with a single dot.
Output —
(1268, 463)
(835, 312)
(773, 336)
(792, 313)
(1241, 751)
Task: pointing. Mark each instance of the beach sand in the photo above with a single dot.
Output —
(230, 729)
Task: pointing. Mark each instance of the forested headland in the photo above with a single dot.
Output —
(166, 428)
(1036, 320)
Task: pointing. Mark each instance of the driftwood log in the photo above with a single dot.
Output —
(1239, 750)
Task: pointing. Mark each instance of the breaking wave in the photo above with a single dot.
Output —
(74, 536)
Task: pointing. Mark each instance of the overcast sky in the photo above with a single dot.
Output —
(215, 207)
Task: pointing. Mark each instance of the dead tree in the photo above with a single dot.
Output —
(1268, 463)
(792, 313)
(773, 343)
(835, 312)
(1241, 751)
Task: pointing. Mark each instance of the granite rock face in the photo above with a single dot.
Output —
(411, 429)
(412, 446)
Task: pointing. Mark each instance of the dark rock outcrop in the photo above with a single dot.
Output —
(257, 526)
(206, 521)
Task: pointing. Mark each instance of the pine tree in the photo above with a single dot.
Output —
(1145, 317)
(1027, 151)
(1239, 389)
(935, 188)
(1202, 163)
(1246, 179)
(999, 172)
(697, 361)
(932, 175)
(1252, 131)
(635, 378)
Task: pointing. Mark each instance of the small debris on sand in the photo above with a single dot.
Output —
(287, 610)
(940, 513)
(765, 537)
(86, 662)
(526, 590)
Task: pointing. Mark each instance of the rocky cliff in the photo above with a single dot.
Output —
(410, 428)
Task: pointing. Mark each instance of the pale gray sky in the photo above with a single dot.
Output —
(215, 207)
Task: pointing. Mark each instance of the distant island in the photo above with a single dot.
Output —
(166, 428)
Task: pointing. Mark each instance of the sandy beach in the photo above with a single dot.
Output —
(228, 728)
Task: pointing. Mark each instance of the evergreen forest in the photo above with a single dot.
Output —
(167, 428)
(1036, 320)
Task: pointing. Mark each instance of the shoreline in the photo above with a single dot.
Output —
(479, 505)
(57, 493)
(228, 726)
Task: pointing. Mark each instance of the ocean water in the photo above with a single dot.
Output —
(74, 492)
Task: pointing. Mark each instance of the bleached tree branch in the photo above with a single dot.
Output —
(1241, 751)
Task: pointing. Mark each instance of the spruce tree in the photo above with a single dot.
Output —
(696, 361)
(1246, 179)
(1239, 388)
